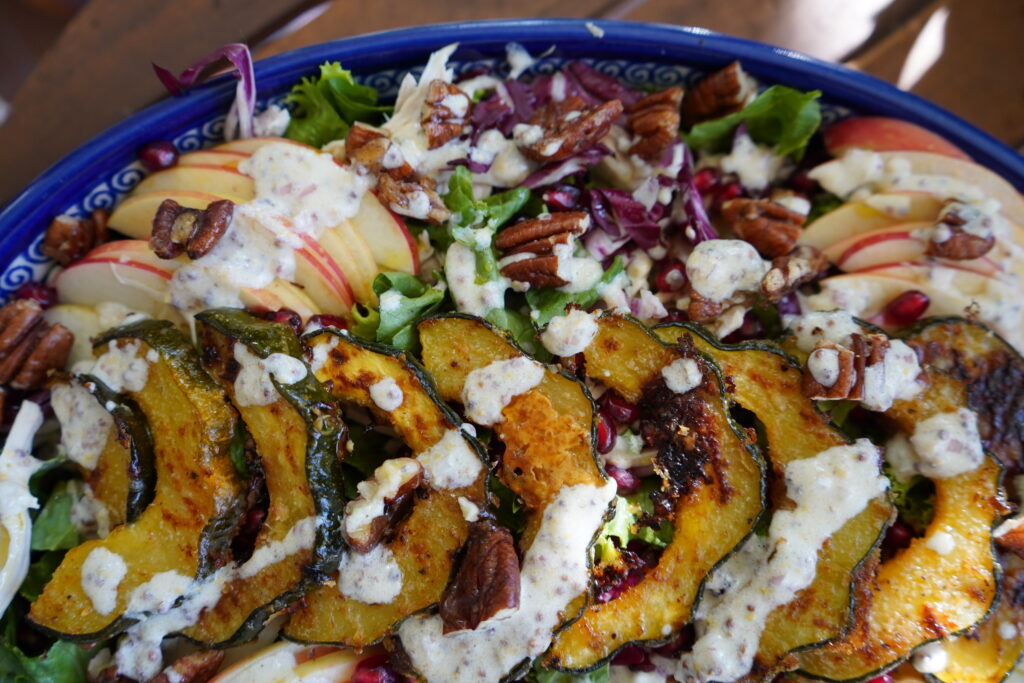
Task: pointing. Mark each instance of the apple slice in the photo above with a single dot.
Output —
(344, 241)
(392, 245)
(200, 178)
(213, 157)
(883, 134)
(879, 211)
(866, 294)
(250, 145)
(322, 279)
(287, 661)
(277, 295)
(134, 216)
(139, 286)
(84, 323)
(887, 245)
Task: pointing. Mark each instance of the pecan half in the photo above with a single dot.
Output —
(399, 478)
(1009, 536)
(29, 347)
(416, 199)
(771, 228)
(830, 373)
(655, 120)
(962, 232)
(537, 271)
(717, 94)
(68, 239)
(486, 582)
(540, 235)
(567, 128)
(804, 264)
(444, 112)
(178, 230)
(371, 148)
(198, 667)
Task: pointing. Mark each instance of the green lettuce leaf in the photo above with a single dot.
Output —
(53, 528)
(914, 499)
(409, 300)
(541, 675)
(549, 303)
(521, 329)
(63, 663)
(779, 116)
(326, 105)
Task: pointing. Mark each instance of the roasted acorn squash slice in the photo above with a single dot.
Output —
(920, 595)
(710, 519)
(187, 528)
(767, 383)
(297, 438)
(424, 544)
(994, 374)
(989, 653)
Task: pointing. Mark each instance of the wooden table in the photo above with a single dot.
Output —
(98, 70)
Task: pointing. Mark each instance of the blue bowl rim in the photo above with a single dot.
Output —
(23, 216)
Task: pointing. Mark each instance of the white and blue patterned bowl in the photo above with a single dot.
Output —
(104, 169)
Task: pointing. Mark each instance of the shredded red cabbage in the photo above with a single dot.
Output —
(688, 208)
(552, 173)
(242, 110)
(602, 86)
(618, 214)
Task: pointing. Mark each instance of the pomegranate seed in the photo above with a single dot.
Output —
(706, 180)
(630, 656)
(671, 277)
(158, 155)
(906, 308)
(801, 182)
(884, 678)
(374, 670)
(619, 409)
(605, 433)
(44, 295)
(286, 316)
(562, 198)
(750, 329)
(681, 642)
(729, 191)
(897, 537)
(789, 305)
(626, 481)
(327, 320)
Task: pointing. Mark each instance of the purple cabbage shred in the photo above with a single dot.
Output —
(552, 173)
(688, 209)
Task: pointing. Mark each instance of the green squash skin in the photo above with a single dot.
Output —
(755, 455)
(132, 428)
(325, 431)
(771, 347)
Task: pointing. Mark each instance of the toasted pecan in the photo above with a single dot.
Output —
(770, 227)
(717, 94)
(178, 230)
(413, 198)
(802, 265)
(486, 581)
(655, 121)
(569, 127)
(445, 112)
(961, 233)
(68, 239)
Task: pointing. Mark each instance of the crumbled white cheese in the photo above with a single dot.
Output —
(272, 122)
(386, 394)
(822, 327)
(795, 203)
(824, 366)
(718, 269)
(569, 334)
(386, 482)
(451, 463)
(682, 375)
(470, 511)
(84, 425)
(930, 659)
(390, 301)
(948, 444)
(900, 456)
(489, 389)
(623, 674)
(554, 573)
(827, 489)
(628, 452)
(941, 542)
(254, 385)
(102, 572)
(373, 578)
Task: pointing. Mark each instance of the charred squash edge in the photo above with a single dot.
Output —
(755, 455)
(183, 361)
(324, 432)
(771, 347)
(131, 425)
(449, 415)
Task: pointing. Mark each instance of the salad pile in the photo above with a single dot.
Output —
(536, 377)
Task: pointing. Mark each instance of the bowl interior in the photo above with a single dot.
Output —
(103, 170)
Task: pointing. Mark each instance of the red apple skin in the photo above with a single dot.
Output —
(882, 134)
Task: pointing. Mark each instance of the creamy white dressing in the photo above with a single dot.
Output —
(554, 572)
(84, 424)
(470, 510)
(16, 468)
(827, 489)
(930, 659)
(507, 166)
(254, 384)
(88, 514)
(719, 269)
(385, 484)
(386, 394)
(489, 389)
(947, 444)
(120, 367)
(102, 573)
(451, 463)
(373, 578)
(822, 327)
(470, 297)
(824, 366)
(569, 334)
(321, 351)
(580, 272)
(755, 165)
(682, 375)
(272, 122)
(895, 377)
(942, 542)
(628, 452)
